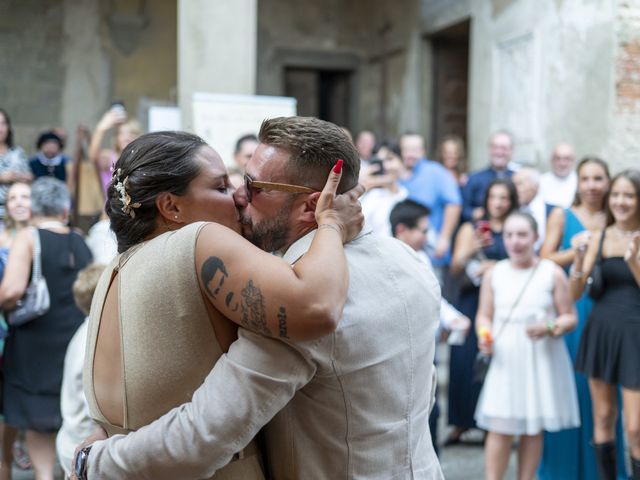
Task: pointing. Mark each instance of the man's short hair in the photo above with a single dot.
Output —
(407, 213)
(242, 139)
(85, 285)
(314, 145)
(531, 174)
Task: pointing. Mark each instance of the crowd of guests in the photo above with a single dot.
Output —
(36, 196)
(541, 272)
(563, 361)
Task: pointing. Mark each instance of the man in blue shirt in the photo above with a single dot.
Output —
(430, 184)
(500, 152)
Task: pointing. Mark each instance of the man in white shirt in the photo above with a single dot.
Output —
(558, 187)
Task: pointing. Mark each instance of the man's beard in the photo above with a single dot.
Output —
(271, 234)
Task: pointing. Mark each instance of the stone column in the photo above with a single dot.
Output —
(216, 50)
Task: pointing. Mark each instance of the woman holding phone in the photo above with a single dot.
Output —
(477, 248)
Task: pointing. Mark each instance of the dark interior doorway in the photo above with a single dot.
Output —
(450, 81)
(320, 93)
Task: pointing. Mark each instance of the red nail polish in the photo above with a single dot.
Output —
(338, 167)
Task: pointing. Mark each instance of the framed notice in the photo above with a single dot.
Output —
(221, 118)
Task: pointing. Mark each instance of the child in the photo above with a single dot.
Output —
(410, 224)
(76, 422)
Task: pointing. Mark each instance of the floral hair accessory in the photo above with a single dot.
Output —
(121, 188)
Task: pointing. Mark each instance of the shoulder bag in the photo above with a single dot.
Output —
(35, 301)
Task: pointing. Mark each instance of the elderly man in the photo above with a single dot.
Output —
(558, 187)
(430, 184)
(354, 404)
(500, 153)
(527, 182)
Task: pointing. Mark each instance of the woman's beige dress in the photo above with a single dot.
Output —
(168, 344)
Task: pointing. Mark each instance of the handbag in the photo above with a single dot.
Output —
(595, 282)
(482, 362)
(35, 302)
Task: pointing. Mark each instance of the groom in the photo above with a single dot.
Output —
(354, 404)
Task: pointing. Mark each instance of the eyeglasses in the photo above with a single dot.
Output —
(251, 185)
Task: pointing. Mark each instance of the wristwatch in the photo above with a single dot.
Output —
(80, 467)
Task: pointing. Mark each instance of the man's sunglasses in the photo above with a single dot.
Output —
(251, 185)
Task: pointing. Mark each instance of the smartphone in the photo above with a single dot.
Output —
(378, 166)
(483, 227)
(118, 105)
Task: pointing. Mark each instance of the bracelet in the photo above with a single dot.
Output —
(331, 226)
(575, 274)
(551, 325)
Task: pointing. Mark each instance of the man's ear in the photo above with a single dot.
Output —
(308, 208)
(167, 206)
(399, 230)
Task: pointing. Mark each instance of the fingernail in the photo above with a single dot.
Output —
(338, 166)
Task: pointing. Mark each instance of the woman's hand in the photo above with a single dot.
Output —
(342, 211)
(632, 255)
(111, 118)
(538, 330)
(580, 241)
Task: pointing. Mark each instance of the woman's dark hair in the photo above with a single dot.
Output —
(514, 204)
(632, 175)
(154, 163)
(9, 139)
(587, 160)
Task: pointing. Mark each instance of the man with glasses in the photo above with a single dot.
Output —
(354, 404)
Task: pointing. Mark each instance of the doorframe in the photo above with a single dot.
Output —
(284, 58)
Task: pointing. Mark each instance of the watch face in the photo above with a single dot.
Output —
(77, 468)
(80, 466)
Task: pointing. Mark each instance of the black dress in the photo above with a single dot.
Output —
(34, 352)
(610, 344)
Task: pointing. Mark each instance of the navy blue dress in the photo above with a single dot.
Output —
(463, 393)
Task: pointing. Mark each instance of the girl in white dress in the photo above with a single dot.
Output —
(526, 305)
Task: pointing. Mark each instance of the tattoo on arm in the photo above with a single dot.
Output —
(254, 316)
(208, 272)
(282, 322)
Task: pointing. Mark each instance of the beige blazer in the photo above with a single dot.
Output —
(354, 404)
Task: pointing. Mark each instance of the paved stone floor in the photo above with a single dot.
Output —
(463, 461)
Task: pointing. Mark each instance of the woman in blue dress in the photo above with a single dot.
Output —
(568, 454)
(477, 248)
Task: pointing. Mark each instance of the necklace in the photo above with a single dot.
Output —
(623, 232)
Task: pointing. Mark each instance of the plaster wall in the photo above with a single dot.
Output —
(546, 70)
(364, 36)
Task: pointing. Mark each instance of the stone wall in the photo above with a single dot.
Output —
(32, 71)
(550, 71)
(366, 36)
(63, 61)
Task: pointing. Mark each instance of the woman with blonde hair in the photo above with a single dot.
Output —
(125, 131)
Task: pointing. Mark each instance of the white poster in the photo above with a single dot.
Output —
(220, 119)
